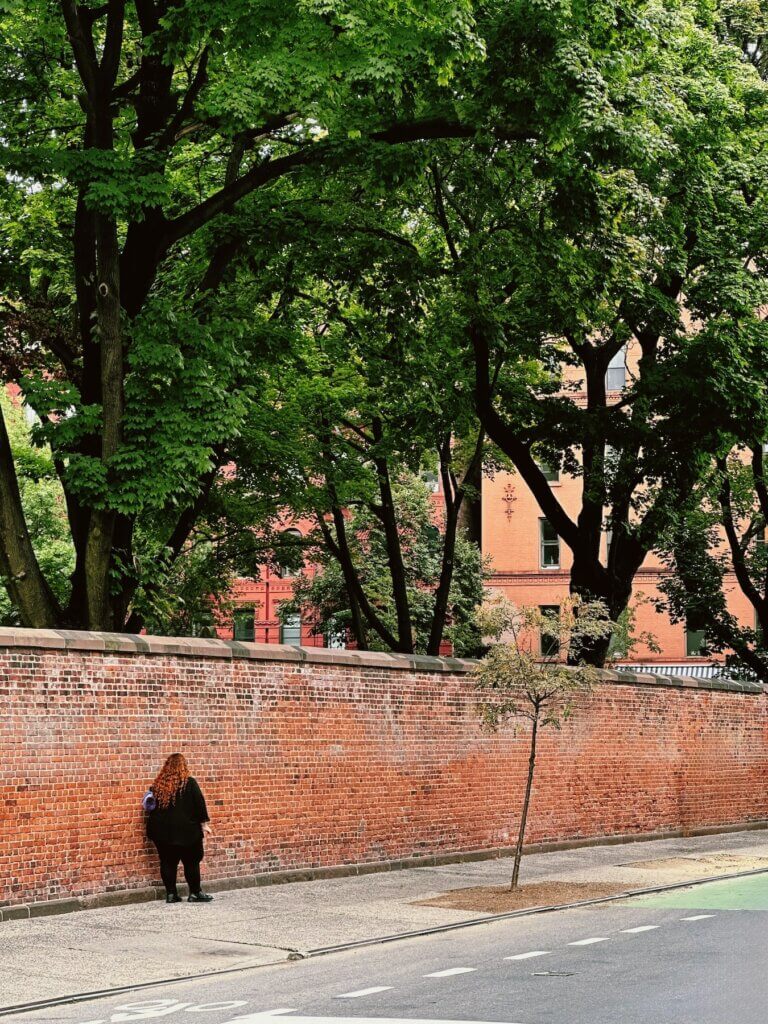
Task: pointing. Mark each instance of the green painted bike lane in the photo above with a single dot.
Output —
(749, 893)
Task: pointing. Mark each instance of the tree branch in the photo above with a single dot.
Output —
(509, 442)
(83, 50)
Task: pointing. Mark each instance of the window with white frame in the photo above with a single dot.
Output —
(551, 473)
(290, 630)
(291, 538)
(549, 544)
(616, 374)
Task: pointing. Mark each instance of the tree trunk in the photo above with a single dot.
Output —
(99, 561)
(446, 577)
(455, 500)
(27, 587)
(405, 635)
(470, 520)
(526, 804)
(351, 582)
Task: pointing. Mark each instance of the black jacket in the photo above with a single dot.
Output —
(180, 824)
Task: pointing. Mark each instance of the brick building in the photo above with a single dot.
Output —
(529, 564)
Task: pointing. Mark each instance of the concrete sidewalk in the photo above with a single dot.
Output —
(49, 957)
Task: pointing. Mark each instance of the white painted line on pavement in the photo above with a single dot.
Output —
(696, 917)
(641, 928)
(364, 992)
(450, 972)
(588, 942)
(527, 956)
(229, 1004)
(258, 1018)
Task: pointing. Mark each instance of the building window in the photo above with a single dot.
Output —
(290, 630)
(336, 637)
(695, 646)
(550, 637)
(550, 545)
(292, 538)
(243, 627)
(552, 474)
(616, 374)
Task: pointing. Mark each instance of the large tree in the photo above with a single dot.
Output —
(634, 219)
(141, 142)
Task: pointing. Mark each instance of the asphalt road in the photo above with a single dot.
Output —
(699, 957)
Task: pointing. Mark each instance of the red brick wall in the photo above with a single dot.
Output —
(339, 758)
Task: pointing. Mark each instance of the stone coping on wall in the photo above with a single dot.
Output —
(199, 647)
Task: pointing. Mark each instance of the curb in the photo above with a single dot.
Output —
(527, 912)
(295, 955)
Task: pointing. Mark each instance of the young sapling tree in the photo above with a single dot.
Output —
(524, 675)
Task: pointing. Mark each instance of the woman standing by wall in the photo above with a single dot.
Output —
(176, 827)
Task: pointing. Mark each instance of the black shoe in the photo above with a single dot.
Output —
(199, 897)
(173, 897)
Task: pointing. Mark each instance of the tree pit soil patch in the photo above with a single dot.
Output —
(497, 899)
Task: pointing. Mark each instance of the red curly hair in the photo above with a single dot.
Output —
(171, 780)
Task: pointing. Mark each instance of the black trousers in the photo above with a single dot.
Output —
(190, 857)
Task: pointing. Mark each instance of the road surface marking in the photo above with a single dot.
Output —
(641, 928)
(147, 1009)
(364, 992)
(588, 942)
(229, 1004)
(527, 956)
(696, 917)
(451, 971)
(260, 1017)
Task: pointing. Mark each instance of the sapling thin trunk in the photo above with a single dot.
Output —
(526, 802)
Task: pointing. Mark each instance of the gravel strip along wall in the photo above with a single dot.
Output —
(317, 759)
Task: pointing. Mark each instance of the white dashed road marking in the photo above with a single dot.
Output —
(258, 1018)
(450, 972)
(696, 917)
(364, 992)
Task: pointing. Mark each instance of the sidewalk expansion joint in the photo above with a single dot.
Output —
(244, 942)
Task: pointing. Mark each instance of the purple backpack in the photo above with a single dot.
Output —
(149, 802)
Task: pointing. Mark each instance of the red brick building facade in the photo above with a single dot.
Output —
(529, 564)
